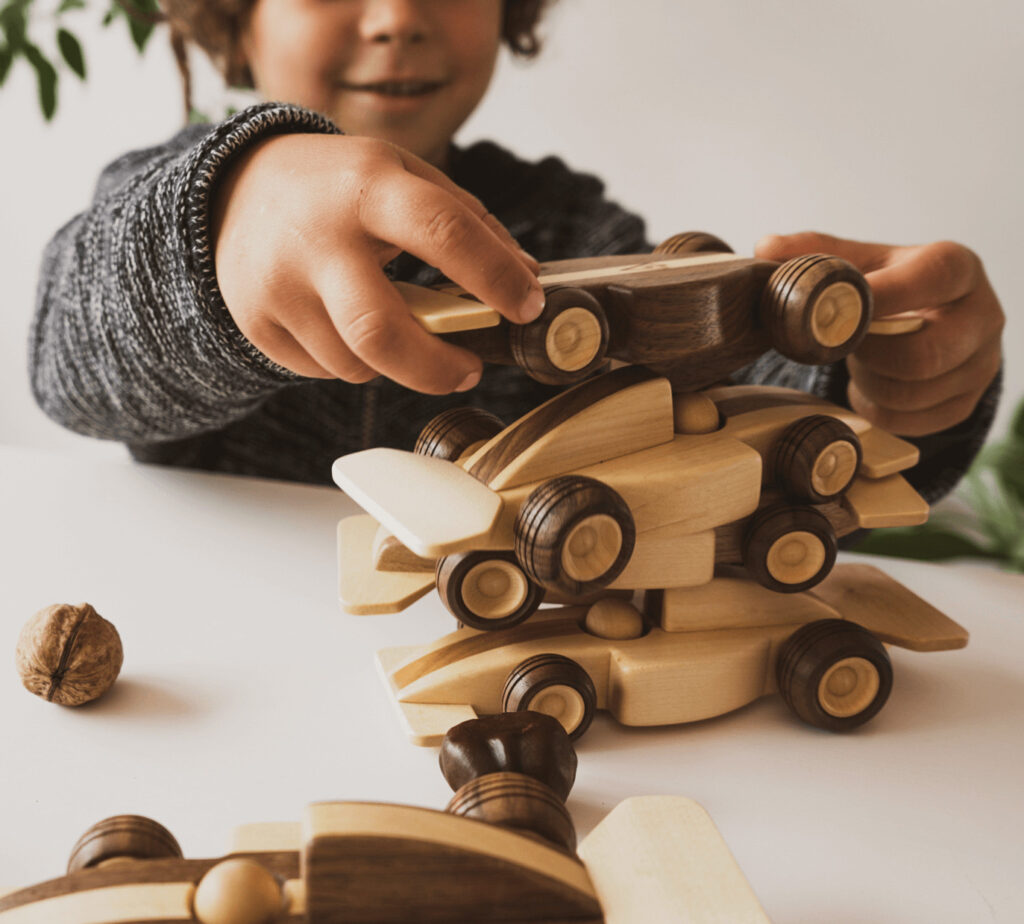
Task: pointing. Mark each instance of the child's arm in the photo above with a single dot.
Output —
(132, 339)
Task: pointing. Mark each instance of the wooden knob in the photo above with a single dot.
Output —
(238, 891)
(516, 801)
(515, 742)
(123, 837)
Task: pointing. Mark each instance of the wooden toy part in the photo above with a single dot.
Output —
(487, 590)
(238, 891)
(440, 868)
(431, 505)
(390, 555)
(527, 743)
(441, 312)
(906, 323)
(457, 431)
(693, 412)
(693, 242)
(612, 415)
(553, 685)
(882, 502)
(267, 837)
(362, 589)
(660, 860)
(122, 837)
(789, 549)
(614, 618)
(816, 459)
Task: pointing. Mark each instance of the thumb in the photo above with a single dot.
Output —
(778, 247)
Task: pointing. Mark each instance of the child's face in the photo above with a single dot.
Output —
(406, 71)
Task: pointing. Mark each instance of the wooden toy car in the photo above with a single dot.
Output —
(616, 484)
(700, 652)
(692, 311)
(504, 850)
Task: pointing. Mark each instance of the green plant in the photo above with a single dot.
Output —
(992, 527)
(21, 21)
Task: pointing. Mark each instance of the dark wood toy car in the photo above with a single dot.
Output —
(692, 311)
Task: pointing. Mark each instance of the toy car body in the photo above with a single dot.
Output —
(597, 489)
(711, 649)
(692, 311)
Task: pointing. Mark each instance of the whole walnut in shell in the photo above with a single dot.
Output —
(69, 654)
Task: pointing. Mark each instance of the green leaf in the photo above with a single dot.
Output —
(6, 57)
(925, 542)
(46, 79)
(67, 5)
(14, 23)
(71, 50)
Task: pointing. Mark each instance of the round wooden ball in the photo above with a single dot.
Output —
(237, 891)
(613, 618)
(69, 654)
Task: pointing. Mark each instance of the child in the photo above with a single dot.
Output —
(225, 302)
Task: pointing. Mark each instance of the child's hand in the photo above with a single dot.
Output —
(303, 225)
(929, 380)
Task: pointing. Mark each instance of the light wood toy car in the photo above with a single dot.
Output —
(692, 311)
(503, 851)
(616, 484)
(695, 653)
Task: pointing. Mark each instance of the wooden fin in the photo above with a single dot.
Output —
(442, 312)
(885, 454)
(867, 596)
(362, 590)
(883, 502)
(661, 860)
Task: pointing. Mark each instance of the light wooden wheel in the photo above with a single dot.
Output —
(591, 548)
(566, 343)
(574, 535)
(789, 549)
(486, 589)
(816, 308)
(816, 458)
(238, 891)
(848, 687)
(555, 686)
(574, 339)
(834, 674)
(795, 557)
(836, 314)
(495, 589)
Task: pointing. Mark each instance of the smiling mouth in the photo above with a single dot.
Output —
(396, 87)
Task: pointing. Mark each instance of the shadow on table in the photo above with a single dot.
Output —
(152, 700)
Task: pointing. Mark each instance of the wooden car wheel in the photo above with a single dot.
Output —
(816, 308)
(487, 589)
(834, 674)
(552, 685)
(816, 458)
(574, 535)
(693, 242)
(123, 837)
(789, 549)
(566, 343)
(454, 432)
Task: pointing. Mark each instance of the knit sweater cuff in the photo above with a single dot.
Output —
(203, 170)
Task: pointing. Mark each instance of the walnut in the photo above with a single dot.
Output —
(68, 654)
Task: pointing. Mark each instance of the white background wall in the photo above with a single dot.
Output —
(892, 120)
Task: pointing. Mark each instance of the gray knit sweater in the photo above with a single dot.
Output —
(132, 341)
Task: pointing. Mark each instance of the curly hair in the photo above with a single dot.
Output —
(216, 26)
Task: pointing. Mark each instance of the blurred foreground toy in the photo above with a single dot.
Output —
(504, 850)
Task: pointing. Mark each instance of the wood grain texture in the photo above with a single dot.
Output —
(660, 860)
(487, 590)
(434, 867)
(363, 590)
(611, 415)
(553, 685)
(789, 549)
(431, 505)
(440, 312)
(882, 502)
(390, 555)
(816, 459)
(129, 836)
(452, 432)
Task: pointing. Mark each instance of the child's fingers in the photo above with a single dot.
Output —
(865, 256)
(924, 277)
(313, 331)
(428, 172)
(373, 321)
(914, 423)
(439, 228)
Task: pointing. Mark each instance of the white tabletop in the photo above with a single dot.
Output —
(247, 694)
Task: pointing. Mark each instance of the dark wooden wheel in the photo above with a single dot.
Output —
(553, 685)
(132, 837)
(566, 343)
(514, 800)
(816, 459)
(789, 549)
(834, 674)
(487, 589)
(456, 430)
(693, 242)
(574, 535)
(816, 308)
